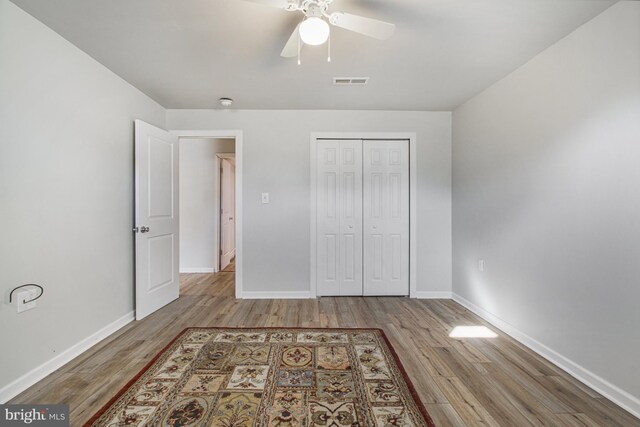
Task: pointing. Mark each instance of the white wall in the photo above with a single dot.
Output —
(276, 160)
(546, 189)
(199, 185)
(66, 191)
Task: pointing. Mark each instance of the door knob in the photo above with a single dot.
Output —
(144, 229)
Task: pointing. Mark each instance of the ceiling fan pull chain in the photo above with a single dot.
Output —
(299, 62)
(329, 49)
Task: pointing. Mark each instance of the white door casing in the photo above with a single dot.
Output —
(156, 218)
(386, 217)
(339, 218)
(227, 212)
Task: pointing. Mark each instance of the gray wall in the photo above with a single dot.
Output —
(199, 184)
(276, 160)
(546, 189)
(66, 191)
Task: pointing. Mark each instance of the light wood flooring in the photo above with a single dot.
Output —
(231, 268)
(462, 382)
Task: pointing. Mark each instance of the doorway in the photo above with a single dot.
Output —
(201, 197)
(204, 192)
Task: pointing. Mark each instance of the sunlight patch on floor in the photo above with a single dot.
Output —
(472, 332)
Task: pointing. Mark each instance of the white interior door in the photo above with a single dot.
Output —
(339, 218)
(386, 217)
(227, 211)
(156, 218)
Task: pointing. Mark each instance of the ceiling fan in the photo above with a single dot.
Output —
(314, 28)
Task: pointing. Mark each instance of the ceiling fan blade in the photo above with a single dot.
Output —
(369, 27)
(291, 48)
(280, 4)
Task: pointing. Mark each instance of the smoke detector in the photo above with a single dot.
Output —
(226, 102)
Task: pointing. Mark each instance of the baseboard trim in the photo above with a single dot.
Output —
(620, 397)
(16, 387)
(276, 295)
(198, 270)
(432, 295)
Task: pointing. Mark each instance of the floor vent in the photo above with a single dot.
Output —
(350, 81)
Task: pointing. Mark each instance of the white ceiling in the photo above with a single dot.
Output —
(189, 53)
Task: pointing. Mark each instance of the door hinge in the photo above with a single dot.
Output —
(135, 229)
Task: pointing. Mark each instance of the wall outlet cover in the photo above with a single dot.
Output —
(26, 296)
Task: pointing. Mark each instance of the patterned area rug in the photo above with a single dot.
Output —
(270, 377)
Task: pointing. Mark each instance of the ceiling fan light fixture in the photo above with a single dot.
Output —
(314, 31)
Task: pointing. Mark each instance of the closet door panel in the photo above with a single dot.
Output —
(386, 217)
(351, 218)
(339, 218)
(328, 222)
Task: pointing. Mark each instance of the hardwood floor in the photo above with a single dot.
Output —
(231, 267)
(463, 382)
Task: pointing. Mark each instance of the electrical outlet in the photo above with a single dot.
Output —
(26, 296)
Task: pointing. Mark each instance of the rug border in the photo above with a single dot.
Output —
(131, 382)
(407, 380)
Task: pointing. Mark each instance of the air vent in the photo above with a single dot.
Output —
(350, 81)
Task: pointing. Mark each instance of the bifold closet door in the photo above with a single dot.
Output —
(386, 217)
(339, 218)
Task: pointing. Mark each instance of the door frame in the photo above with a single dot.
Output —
(237, 135)
(218, 195)
(413, 196)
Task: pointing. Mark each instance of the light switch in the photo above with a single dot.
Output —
(265, 198)
(481, 265)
